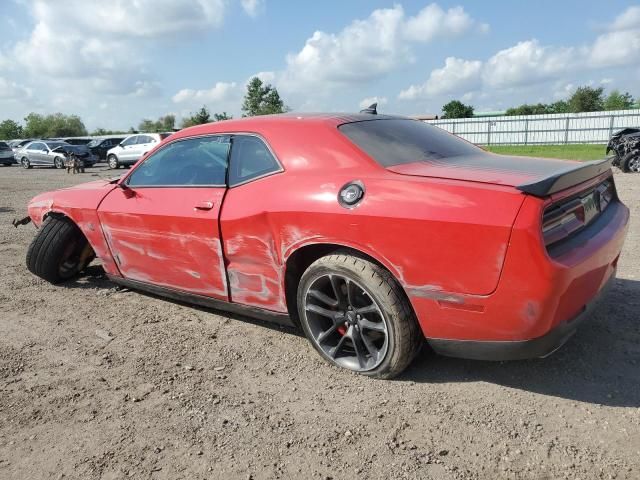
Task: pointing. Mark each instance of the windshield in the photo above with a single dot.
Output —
(397, 141)
(94, 143)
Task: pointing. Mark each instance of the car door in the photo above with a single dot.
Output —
(161, 225)
(253, 262)
(128, 147)
(47, 155)
(35, 153)
(144, 144)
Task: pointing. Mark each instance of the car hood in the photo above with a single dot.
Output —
(488, 168)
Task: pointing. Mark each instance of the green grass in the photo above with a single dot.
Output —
(579, 151)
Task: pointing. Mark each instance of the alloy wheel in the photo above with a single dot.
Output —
(634, 164)
(345, 322)
(25, 163)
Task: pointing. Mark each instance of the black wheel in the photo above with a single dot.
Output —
(58, 162)
(25, 163)
(357, 317)
(113, 162)
(630, 163)
(59, 251)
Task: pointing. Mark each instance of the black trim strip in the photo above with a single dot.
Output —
(207, 302)
(562, 180)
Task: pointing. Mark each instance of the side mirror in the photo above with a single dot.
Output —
(127, 190)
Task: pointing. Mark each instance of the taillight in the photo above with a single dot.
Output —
(562, 219)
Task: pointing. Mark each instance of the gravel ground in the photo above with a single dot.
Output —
(97, 383)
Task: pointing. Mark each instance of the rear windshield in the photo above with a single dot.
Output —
(397, 141)
(4, 145)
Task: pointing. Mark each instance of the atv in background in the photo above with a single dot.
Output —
(625, 145)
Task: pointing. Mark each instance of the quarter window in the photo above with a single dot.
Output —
(192, 162)
(250, 158)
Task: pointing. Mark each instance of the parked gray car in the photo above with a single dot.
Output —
(47, 153)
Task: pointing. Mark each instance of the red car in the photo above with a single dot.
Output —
(371, 232)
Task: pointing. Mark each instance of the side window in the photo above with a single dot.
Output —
(36, 146)
(250, 158)
(196, 161)
(130, 141)
(143, 139)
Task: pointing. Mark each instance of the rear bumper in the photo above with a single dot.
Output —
(540, 299)
(520, 349)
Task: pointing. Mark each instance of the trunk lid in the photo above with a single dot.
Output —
(536, 176)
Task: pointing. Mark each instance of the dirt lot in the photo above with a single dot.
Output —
(96, 383)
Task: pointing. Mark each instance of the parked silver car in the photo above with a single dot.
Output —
(132, 148)
(47, 153)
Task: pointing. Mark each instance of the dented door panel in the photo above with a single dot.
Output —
(164, 236)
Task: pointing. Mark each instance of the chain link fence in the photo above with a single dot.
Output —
(556, 129)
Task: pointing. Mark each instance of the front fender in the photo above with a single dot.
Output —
(79, 204)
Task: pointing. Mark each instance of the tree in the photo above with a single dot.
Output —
(165, 123)
(147, 125)
(203, 116)
(10, 130)
(586, 99)
(53, 125)
(261, 99)
(219, 117)
(618, 101)
(200, 117)
(526, 109)
(561, 106)
(457, 109)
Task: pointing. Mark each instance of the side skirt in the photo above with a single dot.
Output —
(203, 301)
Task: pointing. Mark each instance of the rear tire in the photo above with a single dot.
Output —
(113, 162)
(59, 251)
(368, 290)
(630, 163)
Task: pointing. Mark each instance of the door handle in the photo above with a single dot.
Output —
(204, 205)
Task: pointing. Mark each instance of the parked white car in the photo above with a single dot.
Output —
(132, 148)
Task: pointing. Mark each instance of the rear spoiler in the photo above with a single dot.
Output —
(565, 179)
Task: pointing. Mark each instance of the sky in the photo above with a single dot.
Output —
(115, 62)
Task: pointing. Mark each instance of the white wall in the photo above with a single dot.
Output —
(588, 127)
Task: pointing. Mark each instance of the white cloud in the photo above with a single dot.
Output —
(616, 48)
(457, 75)
(530, 63)
(432, 21)
(221, 91)
(13, 91)
(370, 48)
(266, 77)
(253, 8)
(629, 19)
(366, 102)
(527, 62)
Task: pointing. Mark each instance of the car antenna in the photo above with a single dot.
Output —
(372, 109)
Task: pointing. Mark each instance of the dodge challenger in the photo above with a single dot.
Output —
(371, 233)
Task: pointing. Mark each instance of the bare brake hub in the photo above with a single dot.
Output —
(22, 221)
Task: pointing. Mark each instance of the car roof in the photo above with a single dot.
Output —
(258, 124)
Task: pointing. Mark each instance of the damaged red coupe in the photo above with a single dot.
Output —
(370, 232)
